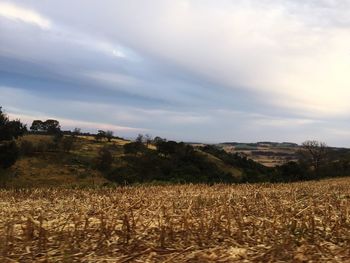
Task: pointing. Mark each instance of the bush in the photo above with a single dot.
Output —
(9, 132)
(42, 146)
(67, 143)
(292, 172)
(26, 148)
(123, 175)
(104, 159)
(57, 138)
(134, 148)
(9, 153)
(174, 162)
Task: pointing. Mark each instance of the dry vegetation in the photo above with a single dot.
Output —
(51, 168)
(245, 223)
(267, 155)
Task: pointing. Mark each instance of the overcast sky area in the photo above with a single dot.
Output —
(192, 70)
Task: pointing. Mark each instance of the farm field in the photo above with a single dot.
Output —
(268, 154)
(296, 222)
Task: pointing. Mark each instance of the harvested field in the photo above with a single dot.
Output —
(194, 223)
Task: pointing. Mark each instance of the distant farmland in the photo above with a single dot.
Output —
(296, 222)
(269, 154)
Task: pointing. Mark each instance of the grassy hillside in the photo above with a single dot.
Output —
(46, 165)
(49, 167)
(236, 172)
(87, 162)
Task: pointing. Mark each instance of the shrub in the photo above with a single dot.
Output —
(26, 148)
(42, 146)
(9, 131)
(291, 172)
(134, 148)
(104, 159)
(8, 154)
(57, 138)
(67, 143)
(123, 175)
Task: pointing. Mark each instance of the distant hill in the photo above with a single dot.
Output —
(267, 153)
(94, 163)
(43, 164)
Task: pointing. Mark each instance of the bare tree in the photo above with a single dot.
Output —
(316, 151)
(140, 138)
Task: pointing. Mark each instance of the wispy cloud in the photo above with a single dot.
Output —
(15, 12)
(191, 69)
(71, 123)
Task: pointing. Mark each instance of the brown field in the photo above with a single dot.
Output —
(272, 158)
(195, 223)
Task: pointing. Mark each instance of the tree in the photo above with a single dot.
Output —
(158, 140)
(139, 138)
(167, 147)
(291, 172)
(100, 135)
(160, 144)
(8, 154)
(12, 130)
(37, 126)
(315, 152)
(134, 148)
(109, 135)
(9, 131)
(104, 159)
(3, 118)
(52, 126)
(49, 126)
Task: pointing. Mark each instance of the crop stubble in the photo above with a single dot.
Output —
(189, 223)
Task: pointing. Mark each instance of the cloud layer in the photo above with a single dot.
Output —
(243, 70)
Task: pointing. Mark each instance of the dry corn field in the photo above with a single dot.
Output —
(195, 223)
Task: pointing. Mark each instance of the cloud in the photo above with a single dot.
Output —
(292, 50)
(25, 15)
(120, 118)
(118, 53)
(114, 79)
(71, 123)
(203, 69)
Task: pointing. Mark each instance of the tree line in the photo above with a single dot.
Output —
(11, 130)
(169, 160)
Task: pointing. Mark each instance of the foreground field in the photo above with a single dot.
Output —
(258, 223)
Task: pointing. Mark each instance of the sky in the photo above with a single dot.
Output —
(191, 70)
